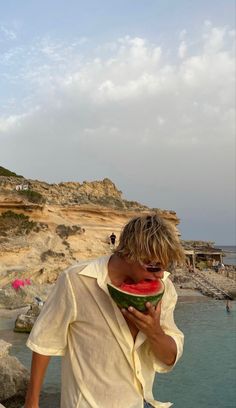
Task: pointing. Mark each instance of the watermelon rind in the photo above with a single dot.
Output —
(124, 299)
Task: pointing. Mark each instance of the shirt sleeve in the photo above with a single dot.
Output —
(169, 327)
(49, 333)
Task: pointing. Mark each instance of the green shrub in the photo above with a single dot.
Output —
(32, 196)
(16, 224)
(64, 231)
(49, 253)
(8, 173)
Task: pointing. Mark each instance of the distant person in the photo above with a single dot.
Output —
(228, 305)
(113, 238)
(221, 267)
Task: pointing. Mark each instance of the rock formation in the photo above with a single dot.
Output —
(44, 228)
(13, 375)
(25, 322)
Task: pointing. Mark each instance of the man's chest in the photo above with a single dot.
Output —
(133, 329)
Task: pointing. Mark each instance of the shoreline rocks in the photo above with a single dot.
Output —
(25, 322)
(208, 282)
(24, 296)
(14, 376)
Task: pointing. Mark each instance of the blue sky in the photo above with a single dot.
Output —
(101, 21)
(109, 19)
(141, 92)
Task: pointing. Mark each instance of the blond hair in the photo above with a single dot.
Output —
(150, 238)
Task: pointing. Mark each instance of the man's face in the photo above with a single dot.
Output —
(152, 266)
(146, 271)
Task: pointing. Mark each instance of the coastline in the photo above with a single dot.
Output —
(184, 283)
(12, 313)
(183, 295)
(190, 295)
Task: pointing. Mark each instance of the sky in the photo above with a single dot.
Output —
(141, 92)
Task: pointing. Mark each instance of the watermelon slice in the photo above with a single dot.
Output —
(137, 294)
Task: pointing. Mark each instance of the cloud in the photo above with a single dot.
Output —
(214, 39)
(162, 129)
(182, 50)
(7, 33)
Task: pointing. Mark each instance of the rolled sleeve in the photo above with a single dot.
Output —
(169, 327)
(49, 334)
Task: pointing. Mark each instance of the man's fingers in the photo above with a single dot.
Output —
(150, 309)
(139, 317)
(136, 313)
(158, 307)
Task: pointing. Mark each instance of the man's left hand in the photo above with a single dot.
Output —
(148, 322)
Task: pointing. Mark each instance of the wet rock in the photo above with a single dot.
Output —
(14, 376)
(25, 322)
(14, 402)
(232, 293)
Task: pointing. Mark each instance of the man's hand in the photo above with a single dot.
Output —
(149, 322)
(162, 345)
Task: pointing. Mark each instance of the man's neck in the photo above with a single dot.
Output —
(118, 270)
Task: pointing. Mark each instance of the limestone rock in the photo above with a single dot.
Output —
(74, 223)
(25, 322)
(13, 375)
(4, 348)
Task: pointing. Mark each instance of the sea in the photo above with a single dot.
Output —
(229, 254)
(205, 377)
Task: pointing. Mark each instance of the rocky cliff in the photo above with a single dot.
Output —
(44, 227)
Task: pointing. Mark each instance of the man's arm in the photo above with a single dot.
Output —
(38, 368)
(163, 347)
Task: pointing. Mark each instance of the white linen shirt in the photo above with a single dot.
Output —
(102, 366)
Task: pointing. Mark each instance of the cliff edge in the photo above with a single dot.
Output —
(45, 228)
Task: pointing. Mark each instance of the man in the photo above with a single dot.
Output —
(110, 356)
(113, 238)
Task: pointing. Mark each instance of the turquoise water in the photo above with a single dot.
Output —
(205, 377)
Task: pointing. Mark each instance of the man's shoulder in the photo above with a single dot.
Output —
(76, 268)
(86, 267)
(169, 286)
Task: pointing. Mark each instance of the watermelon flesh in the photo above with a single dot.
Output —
(144, 287)
(137, 294)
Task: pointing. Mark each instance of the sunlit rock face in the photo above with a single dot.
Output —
(44, 228)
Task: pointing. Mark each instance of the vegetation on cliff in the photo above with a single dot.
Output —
(32, 196)
(8, 173)
(15, 224)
